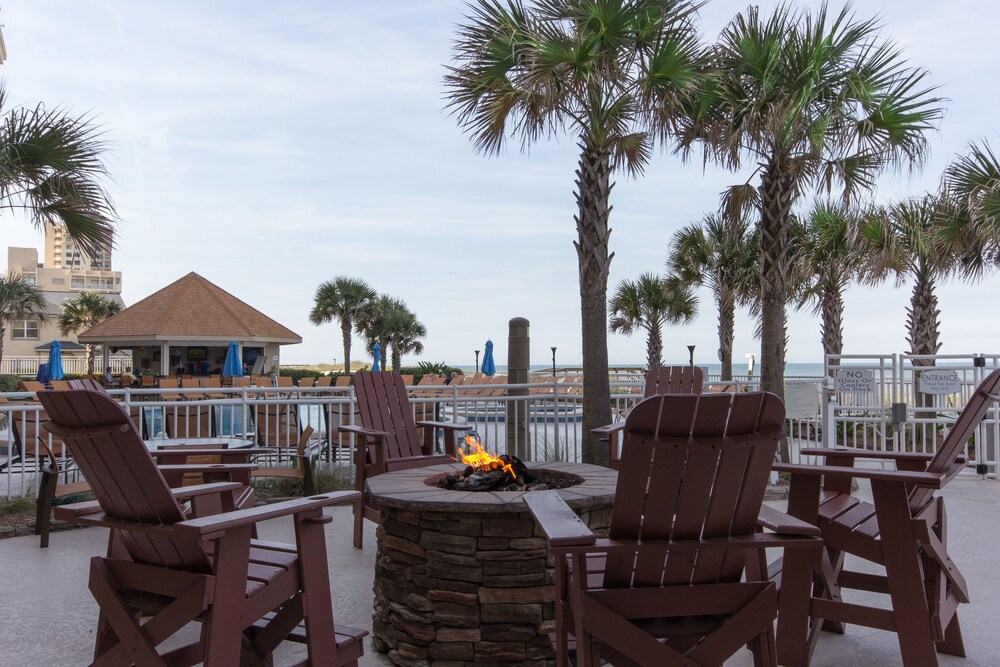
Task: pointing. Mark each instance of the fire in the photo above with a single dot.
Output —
(480, 459)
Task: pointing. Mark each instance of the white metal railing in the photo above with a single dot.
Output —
(549, 420)
(72, 365)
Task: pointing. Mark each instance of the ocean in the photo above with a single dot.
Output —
(739, 369)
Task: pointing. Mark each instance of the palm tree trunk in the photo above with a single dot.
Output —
(922, 332)
(777, 191)
(90, 359)
(726, 301)
(383, 356)
(832, 326)
(654, 349)
(345, 331)
(3, 333)
(397, 358)
(593, 189)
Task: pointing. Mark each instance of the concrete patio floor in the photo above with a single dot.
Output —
(49, 615)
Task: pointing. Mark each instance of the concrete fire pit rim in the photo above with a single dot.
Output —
(407, 489)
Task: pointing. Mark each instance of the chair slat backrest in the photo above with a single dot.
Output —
(674, 380)
(126, 481)
(28, 427)
(384, 406)
(188, 421)
(323, 381)
(968, 420)
(277, 424)
(695, 467)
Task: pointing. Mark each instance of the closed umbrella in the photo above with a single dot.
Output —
(55, 369)
(233, 367)
(489, 367)
(377, 351)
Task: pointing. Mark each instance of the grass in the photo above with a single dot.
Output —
(328, 478)
(17, 512)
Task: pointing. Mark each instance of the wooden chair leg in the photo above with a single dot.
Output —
(952, 643)
(318, 608)
(359, 522)
(43, 512)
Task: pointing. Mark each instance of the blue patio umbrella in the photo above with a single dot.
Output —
(233, 367)
(55, 369)
(377, 351)
(489, 366)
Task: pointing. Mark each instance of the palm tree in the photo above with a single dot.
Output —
(405, 332)
(972, 214)
(614, 76)
(85, 310)
(20, 299)
(908, 239)
(344, 299)
(50, 167)
(376, 324)
(723, 257)
(828, 258)
(810, 102)
(648, 304)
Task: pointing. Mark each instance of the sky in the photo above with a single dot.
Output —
(272, 146)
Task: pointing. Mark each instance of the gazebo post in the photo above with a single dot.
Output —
(164, 358)
(105, 356)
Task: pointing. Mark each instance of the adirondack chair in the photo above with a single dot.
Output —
(904, 530)
(388, 437)
(302, 468)
(666, 587)
(668, 380)
(251, 596)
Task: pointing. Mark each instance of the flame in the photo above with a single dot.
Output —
(480, 459)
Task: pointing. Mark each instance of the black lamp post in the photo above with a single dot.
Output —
(553, 361)
(691, 355)
(477, 361)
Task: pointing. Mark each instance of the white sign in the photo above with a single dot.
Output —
(856, 380)
(801, 399)
(939, 382)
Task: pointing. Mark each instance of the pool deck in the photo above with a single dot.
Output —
(49, 615)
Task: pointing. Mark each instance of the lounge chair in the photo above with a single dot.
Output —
(904, 530)
(667, 380)
(667, 586)
(250, 596)
(388, 437)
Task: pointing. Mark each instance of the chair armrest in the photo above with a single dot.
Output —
(561, 525)
(927, 479)
(658, 550)
(221, 522)
(361, 430)
(784, 524)
(210, 467)
(445, 425)
(865, 454)
(180, 452)
(609, 429)
(71, 511)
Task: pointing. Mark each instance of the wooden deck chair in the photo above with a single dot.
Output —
(389, 436)
(302, 466)
(667, 586)
(214, 382)
(904, 530)
(188, 421)
(191, 383)
(407, 379)
(343, 381)
(59, 385)
(250, 596)
(668, 380)
(28, 435)
(307, 383)
(323, 381)
(277, 425)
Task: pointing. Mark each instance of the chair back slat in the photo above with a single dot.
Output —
(384, 406)
(673, 380)
(323, 381)
(277, 425)
(963, 429)
(188, 421)
(694, 467)
(122, 474)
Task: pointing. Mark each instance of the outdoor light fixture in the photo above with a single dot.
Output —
(477, 361)
(691, 355)
(553, 361)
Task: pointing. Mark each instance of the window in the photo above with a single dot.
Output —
(28, 278)
(58, 281)
(24, 330)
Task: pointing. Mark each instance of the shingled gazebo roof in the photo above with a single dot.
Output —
(191, 309)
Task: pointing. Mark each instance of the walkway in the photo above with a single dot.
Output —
(49, 615)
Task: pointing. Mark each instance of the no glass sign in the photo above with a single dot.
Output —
(855, 380)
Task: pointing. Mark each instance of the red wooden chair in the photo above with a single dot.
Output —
(389, 437)
(904, 530)
(667, 587)
(667, 380)
(249, 595)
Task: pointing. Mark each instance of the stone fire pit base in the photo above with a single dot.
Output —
(465, 578)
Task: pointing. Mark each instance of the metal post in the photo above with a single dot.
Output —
(518, 364)
(477, 361)
(553, 361)
(691, 355)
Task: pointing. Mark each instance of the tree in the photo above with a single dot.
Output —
(647, 303)
(810, 102)
(613, 75)
(376, 324)
(50, 167)
(971, 214)
(404, 334)
(20, 299)
(345, 299)
(828, 258)
(85, 310)
(723, 257)
(908, 239)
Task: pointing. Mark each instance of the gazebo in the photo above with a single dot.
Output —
(188, 325)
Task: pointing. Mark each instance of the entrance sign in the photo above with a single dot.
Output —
(855, 380)
(939, 382)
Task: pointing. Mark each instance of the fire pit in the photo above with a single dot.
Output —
(464, 576)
